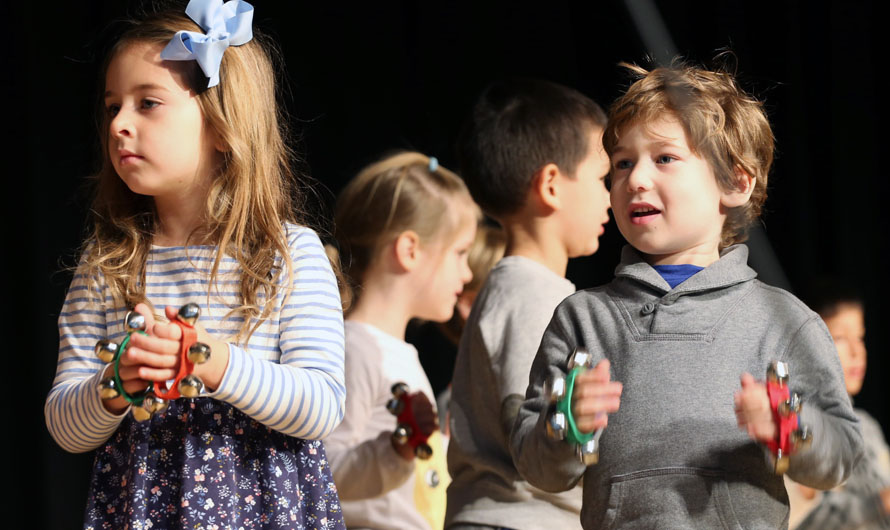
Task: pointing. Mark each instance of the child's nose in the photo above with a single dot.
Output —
(639, 178)
(467, 276)
(859, 348)
(121, 125)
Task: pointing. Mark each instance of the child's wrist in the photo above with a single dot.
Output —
(214, 370)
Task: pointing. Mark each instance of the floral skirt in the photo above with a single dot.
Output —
(205, 465)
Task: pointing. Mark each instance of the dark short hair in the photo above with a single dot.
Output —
(825, 295)
(517, 127)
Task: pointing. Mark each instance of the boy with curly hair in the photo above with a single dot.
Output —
(684, 320)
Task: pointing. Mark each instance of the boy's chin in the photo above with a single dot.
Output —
(585, 250)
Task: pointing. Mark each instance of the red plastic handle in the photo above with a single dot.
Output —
(785, 425)
(189, 337)
(407, 418)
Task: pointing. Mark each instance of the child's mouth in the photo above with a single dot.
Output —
(644, 212)
(643, 215)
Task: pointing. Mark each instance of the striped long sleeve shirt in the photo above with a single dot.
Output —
(288, 376)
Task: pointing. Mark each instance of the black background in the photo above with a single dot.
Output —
(367, 78)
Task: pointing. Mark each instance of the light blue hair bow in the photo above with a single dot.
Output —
(225, 24)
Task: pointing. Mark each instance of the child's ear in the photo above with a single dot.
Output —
(546, 186)
(744, 187)
(407, 250)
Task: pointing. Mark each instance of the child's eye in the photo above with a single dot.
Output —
(623, 164)
(112, 110)
(664, 159)
(149, 104)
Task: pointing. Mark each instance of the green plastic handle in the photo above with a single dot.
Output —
(574, 435)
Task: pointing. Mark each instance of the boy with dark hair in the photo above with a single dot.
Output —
(683, 319)
(863, 501)
(532, 156)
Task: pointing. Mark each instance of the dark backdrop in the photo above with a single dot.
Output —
(368, 78)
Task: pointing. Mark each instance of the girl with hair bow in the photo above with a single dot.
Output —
(195, 204)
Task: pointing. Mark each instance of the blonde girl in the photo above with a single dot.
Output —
(405, 226)
(195, 203)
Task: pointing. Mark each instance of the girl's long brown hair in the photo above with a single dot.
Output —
(249, 200)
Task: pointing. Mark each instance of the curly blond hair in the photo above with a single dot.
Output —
(723, 124)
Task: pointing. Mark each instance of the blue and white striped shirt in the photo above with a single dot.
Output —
(289, 376)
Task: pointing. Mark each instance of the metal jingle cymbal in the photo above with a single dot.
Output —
(395, 406)
(134, 322)
(399, 389)
(580, 357)
(141, 412)
(189, 313)
(588, 452)
(557, 426)
(199, 353)
(423, 451)
(106, 350)
(555, 389)
(191, 386)
(777, 372)
(108, 388)
(154, 404)
(401, 434)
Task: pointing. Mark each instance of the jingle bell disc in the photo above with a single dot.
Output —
(778, 372)
(781, 463)
(199, 353)
(557, 426)
(401, 434)
(191, 386)
(134, 322)
(791, 406)
(580, 357)
(189, 313)
(154, 404)
(399, 389)
(423, 451)
(555, 389)
(106, 350)
(588, 452)
(108, 388)
(395, 406)
(141, 413)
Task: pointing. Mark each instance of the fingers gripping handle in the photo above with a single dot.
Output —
(407, 431)
(791, 436)
(561, 423)
(154, 398)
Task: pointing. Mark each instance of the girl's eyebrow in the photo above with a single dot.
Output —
(143, 86)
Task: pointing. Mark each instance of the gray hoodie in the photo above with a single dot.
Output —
(673, 455)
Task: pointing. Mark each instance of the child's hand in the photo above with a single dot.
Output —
(155, 357)
(211, 372)
(753, 411)
(151, 357)
(426, 418)
(424, 413)
(594, 396)
(148, 358)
